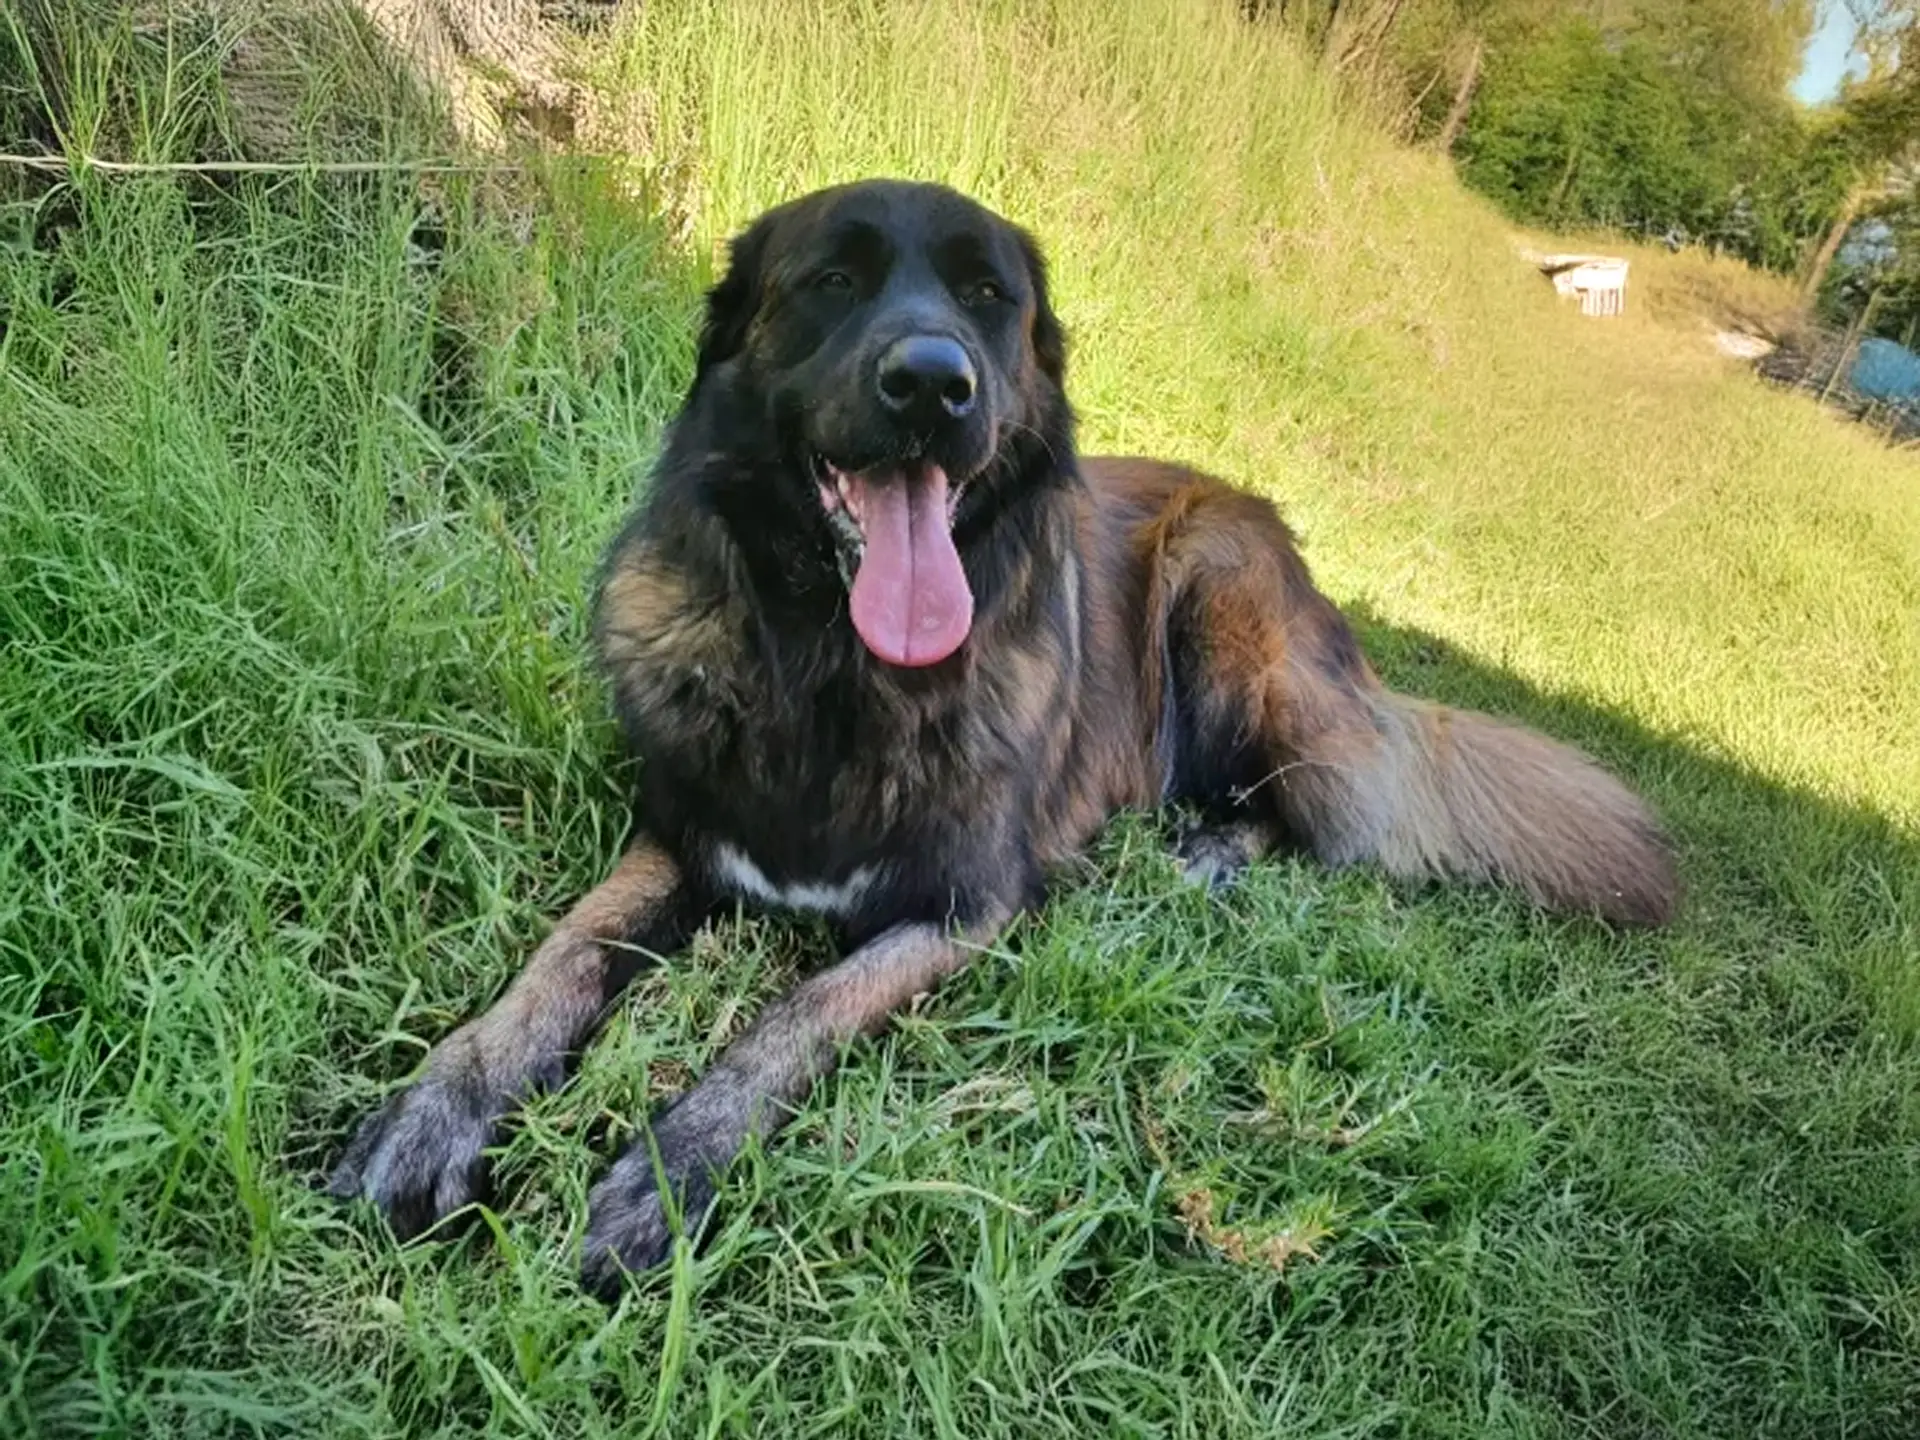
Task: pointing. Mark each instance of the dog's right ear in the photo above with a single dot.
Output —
(732, 304)
(1049, 338)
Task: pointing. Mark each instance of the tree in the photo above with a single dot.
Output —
(1462, 98)
(1345, 33)
(1668, 120)
(493, 61)
(1881, 29)
(1876, 140)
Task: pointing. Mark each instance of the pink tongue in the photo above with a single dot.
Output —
(911, 603)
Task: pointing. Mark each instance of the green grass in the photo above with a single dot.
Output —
(300, 487)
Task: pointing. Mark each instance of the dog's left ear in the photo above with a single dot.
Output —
(732, 304)
(1049, 339)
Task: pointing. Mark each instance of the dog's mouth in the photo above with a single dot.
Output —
(893, 531)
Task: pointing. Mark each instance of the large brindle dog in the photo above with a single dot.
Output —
(887, 649)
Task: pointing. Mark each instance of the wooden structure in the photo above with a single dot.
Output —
(1599, 282)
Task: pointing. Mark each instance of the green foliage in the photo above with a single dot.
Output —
(1584, 126)
(1668, 121)
(1874, 140)
(1877, 278)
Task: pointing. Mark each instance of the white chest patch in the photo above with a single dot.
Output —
(736, 868)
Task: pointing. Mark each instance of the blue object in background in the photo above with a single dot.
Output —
(1886, 371)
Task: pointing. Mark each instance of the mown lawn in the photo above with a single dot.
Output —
(301, 483)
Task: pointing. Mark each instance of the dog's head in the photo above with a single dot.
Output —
(892, 349)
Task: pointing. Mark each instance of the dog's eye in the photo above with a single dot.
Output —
(833, 280)
(985, 292)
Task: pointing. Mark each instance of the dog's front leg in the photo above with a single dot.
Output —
(752, 1085)
(421, 1156)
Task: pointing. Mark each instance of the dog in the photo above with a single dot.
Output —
(888, 651)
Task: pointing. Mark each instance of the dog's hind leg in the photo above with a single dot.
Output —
(1281, 723)
(1217, 592)
(750, 1088)
(422, 1155)
(1213, 853)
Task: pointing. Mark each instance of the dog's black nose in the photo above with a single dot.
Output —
(926, 378)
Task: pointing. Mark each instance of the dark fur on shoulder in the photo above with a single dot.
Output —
(878, 356)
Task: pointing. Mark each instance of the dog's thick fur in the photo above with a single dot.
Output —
(1140, 634)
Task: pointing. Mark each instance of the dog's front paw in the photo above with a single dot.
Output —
(422, 1155)
(1213, 857)
(630, 1226)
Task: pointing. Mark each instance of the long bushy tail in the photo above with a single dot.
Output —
(1251, 666)
(1451, 794)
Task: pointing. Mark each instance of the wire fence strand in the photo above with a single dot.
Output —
(67, 165)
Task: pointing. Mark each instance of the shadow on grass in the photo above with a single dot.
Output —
(1771, 870)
